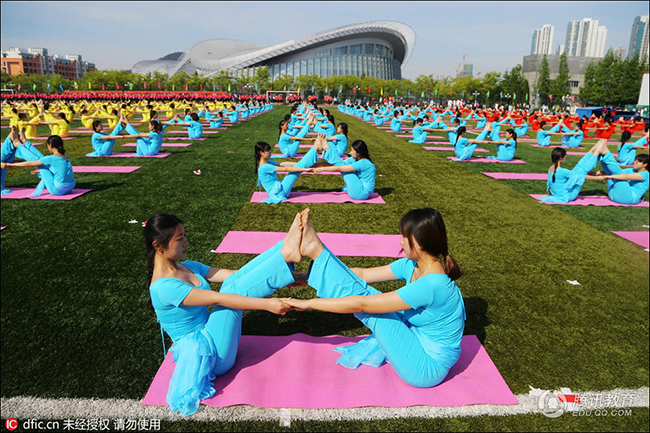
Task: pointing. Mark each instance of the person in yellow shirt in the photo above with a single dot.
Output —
(86, 119)
(28, 125)
(60, 126)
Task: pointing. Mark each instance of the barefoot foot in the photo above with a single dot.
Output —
(291, 245)
(311, 246)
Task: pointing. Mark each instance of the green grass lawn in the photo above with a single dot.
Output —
(73, 273)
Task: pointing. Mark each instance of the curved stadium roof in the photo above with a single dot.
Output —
(213, 55)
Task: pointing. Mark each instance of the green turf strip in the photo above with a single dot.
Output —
(74, 325)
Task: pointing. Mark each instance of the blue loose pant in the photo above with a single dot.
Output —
(333, 279)
(9, 152)
(353, 185)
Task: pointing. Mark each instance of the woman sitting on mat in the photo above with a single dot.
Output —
(543, 136)
(358, 171)
(419, 327)
(289, 144)
(54, 170)
(103, 143)
(59, 126)
(16, 145)
(625, 186)
(465, 147)
(505, 148)
(340, 140)
(206, 342)
(564, 184)
(194, 127)
(627, 151)
(266, 169)
(147, 144)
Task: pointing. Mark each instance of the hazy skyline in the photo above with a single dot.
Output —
(115, 35)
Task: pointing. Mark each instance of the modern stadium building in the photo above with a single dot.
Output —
(374, 49)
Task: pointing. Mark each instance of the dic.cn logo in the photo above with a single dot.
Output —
(554, 404)
(11, 424)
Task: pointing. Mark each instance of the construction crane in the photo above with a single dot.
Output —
(461, 67)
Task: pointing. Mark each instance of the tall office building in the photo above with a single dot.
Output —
(639, 37)
(585, 38)
(542, 40)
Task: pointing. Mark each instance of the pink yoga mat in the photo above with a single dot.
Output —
(309, 172)
(592, 200)
(639, 238)
(514, 161)
(183, 138)
(45, 138)
(518, 176)
(301, 146)
(341, 244)
(300, 371)
(450, 149)
(320, 197)
(81, 131)
(551, 146)
(163, 145)
(131, 155)
(19, 193)
(102, 169)
(279, 155)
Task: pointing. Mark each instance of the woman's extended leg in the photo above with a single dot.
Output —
(331, 279)
(258, 278)
(310, 158)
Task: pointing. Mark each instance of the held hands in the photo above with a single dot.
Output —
(280, 306)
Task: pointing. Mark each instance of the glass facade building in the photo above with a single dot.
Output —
(375, 49)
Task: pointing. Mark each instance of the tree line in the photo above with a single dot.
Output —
(611, 81)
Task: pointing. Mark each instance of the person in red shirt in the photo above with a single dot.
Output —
(606, 130)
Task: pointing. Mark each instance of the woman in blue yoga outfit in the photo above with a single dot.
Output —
(340, 140)
(266, 169)
(55, 170)
(102, 142)
(147, 144)
(216, 121)
(358, 171)
(543, 136)
(419, 327)
(194, 127)
(625, 186)
(206, 342)
(289, 144)
(627, 151)
(16, 145)
(563, 184)
(523, 128)
(505, 148)
(465, 147)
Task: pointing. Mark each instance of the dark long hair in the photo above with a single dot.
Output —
(344, 128)
(513, 134)
(160, 228)
(428, 229)
(361, 148)
(556, 155)
(282, 122)
(625, 137)
(56, 142)
(260, 146)
(96, 124)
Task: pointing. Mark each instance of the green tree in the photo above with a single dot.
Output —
(560, 86)
(262, 79)
(543, 85)
(590, 92)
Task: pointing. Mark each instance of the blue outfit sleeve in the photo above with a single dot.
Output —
(417, 294)
(172, 292)
(403, 268)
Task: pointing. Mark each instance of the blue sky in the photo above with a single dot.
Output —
(115, 35)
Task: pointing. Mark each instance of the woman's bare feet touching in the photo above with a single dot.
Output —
(311, 246)
(291, 245)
